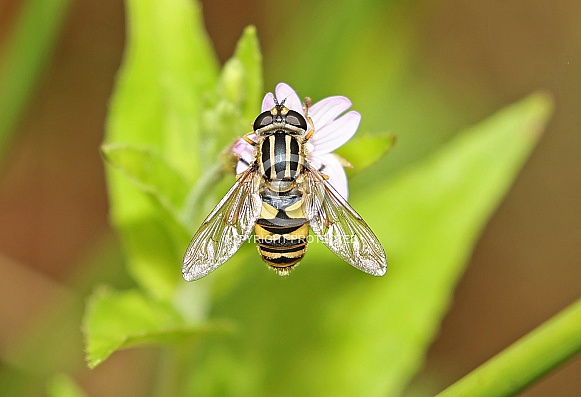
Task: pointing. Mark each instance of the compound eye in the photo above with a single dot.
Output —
(264, 119)
(296, 119)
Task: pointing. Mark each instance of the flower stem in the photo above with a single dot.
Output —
(522, 363)
(208, 179)
(174, 369)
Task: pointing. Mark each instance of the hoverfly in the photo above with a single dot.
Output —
(280, 195)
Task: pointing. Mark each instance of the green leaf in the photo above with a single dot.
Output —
(64, 386)
(26, 52)
(169, 67)
(168, 70)
(431, 217)
(117, 320)
(332, 330)
(364, 150)
(150, 173)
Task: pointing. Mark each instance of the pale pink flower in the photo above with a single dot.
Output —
(333, 127)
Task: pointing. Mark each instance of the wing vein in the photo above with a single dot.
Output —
(225, 229)
(340, 227)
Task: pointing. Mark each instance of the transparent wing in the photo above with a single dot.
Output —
(340, 228)
(225, 229)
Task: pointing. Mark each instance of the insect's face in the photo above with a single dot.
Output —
(279, 117)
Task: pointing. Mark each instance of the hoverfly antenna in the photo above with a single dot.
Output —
(278, 104)
(281, 103)
(286, 97)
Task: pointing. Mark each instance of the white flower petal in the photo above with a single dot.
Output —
(285, 93)
(336, 133)
(241, 167)
(330, 166)
(328, 109)
(268, 102)
(244, 151)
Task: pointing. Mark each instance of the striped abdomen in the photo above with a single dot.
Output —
(280, 157)
(282, 231)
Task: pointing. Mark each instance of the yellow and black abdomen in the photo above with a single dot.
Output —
(282, 232)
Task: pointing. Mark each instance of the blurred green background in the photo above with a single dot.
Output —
(422, 70)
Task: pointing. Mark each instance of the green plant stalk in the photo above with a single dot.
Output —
(174, 368)
(208, 179)
(25, 53)
(531, 357)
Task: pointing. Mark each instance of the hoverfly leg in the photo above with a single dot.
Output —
(344, 162)
(247, 139)
(325, 176)
(306, 105)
